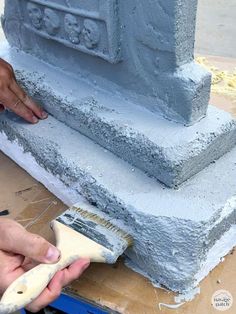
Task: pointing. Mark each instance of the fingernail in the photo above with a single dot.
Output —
(44, 115)
(35, 120)
(53, 254)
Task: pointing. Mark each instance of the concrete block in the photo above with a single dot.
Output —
(179, 234)
(163, 149)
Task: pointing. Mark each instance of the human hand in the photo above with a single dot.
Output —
(20, 251)
(13, 97)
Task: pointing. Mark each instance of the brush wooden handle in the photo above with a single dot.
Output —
(29, 286)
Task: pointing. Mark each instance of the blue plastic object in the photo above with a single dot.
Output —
(71, 305)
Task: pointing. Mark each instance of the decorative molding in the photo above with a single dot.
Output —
(94, 32)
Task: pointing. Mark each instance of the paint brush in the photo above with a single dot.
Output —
(81, 232)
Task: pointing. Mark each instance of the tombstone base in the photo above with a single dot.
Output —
(174, 230)
(168, 151)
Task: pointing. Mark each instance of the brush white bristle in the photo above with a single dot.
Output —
(104, 223)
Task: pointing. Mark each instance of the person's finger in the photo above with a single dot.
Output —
(50, 294)
(14, 238)
(28, 264)
(20, 93)
(9, 261)
(74, 271)
(9, 100)
(9, 278)
(61, 279)
(10, 269)
(13, 261)
(66, 276)
(37, 248)
(7, 65)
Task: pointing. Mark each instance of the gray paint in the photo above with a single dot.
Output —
(123, 65)
(173, 230)
(144, 49)
(166, 150)
(110, 238)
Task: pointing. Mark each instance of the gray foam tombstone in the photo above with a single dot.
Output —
(143, 47)
(129, 122)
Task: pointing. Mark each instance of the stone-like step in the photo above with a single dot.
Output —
(174, 230)
(165, 150)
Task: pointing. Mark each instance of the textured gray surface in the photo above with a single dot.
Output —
(154, 56)
(165, 150)
(215, 30)
(173, 229)
(137, 63)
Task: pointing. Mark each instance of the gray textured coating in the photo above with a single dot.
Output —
(165, 150)
(147, 46)
(129, 62)
(173, 230)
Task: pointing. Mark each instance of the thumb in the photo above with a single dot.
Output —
(15, 239)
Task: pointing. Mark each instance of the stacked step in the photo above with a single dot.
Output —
(165, 182)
